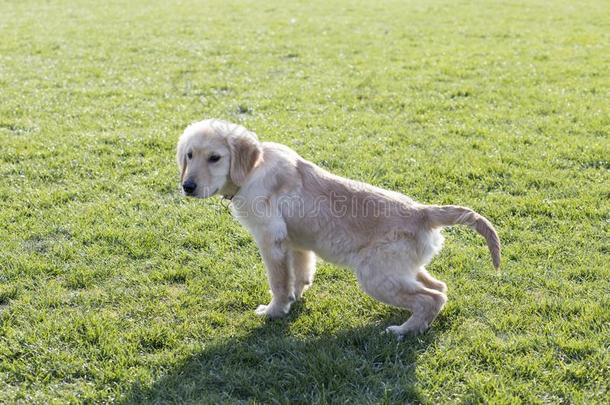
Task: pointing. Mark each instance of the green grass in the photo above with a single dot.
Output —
(113, 287)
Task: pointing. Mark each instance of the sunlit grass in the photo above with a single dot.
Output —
(113, 287)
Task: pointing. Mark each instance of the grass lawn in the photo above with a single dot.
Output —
(114, 288)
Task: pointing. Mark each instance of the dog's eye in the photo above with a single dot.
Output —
(189, 155)
(214, 158)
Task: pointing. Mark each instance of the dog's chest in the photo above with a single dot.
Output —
(247, 218)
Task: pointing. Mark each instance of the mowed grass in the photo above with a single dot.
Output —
(114, 288)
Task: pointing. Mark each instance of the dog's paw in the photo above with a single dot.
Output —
(271, 311)
(400, 331)
(261, 310)
(397, 331)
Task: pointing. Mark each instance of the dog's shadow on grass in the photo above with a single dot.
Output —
(269, 365)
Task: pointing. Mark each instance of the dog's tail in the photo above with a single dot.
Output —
(447, 215)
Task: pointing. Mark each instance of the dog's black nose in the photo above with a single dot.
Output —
(189, 186)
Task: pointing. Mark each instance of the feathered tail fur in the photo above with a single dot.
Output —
(447, 215)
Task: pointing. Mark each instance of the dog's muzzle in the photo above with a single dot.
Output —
(189, 187)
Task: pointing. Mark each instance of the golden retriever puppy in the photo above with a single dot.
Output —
(295, 210)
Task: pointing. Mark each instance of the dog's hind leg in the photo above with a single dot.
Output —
(424, 303)
(404, 291)
(431, 282)
(303, 263)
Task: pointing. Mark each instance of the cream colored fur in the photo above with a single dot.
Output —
(295, 210)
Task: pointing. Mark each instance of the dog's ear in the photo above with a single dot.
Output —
(245, 152)
(181, 159)
(183, 165)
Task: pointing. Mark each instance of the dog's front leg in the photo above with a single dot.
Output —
(280, 276)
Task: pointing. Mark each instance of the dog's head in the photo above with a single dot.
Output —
(215, 156)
